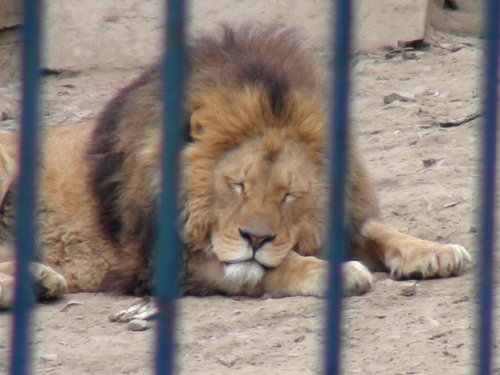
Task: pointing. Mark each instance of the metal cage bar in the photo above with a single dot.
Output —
(26, 201)
(169, 246)
(338, 151)
(168, 249)
(487, 210)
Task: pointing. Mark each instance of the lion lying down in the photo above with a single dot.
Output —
(254, 186)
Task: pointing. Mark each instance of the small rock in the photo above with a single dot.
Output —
(70, 304)
(387, 282)
(420, 90)
(429, 162)
(137, 325)
(409, 56)
(399, 96)
(83, 114)
(5, 115)
(49, 357)
(228, 361)
(299, 338)
(408, 289)
(434, 322)
(416, 44)
(64, 93)
(358, 68)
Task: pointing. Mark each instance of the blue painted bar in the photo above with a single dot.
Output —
(26, 213)
(169, 247)
(339, 136)
(487, 210)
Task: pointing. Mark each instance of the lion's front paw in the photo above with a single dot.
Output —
(357, 279)
(50, 284)
(315, 282)
(424, 259)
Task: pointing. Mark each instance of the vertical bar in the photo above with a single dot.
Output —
(26, 202)
(339, 139)
(169, 246)
(487, 209)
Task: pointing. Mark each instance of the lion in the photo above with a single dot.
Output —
(253, 177)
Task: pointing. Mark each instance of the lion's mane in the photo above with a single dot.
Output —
(243, 83)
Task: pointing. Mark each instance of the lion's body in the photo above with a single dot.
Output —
(70, 241)
(254, 183)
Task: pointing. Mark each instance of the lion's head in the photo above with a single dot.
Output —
(267, 198)
(254, 183)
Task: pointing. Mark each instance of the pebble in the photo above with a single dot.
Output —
(408, 289)
(387, 282)
(49, 357)
(137, 325)
(70, 304)
(228, 361)
(419, 90)
(400, 96)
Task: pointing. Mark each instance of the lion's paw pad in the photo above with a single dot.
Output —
(357, 278)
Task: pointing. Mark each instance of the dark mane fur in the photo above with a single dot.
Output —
(107, 159)
(266, 57)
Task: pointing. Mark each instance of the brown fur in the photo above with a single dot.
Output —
(253, 174)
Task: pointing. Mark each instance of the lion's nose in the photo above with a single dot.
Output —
(256, 241)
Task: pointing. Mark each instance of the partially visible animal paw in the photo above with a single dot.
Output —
(49, 283)
(143, 308)
(421, 259)
(6, 291)
(357, 279)
(315, 283)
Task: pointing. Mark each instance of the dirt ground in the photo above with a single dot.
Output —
(426, 177)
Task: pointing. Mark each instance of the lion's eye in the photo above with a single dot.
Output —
(288, 198)
(239, 187)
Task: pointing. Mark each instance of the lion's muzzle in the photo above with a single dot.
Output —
(256, 241)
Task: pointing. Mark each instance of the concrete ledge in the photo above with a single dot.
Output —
(465, 21)
(107, 34)
(10, 13)
(382, 23)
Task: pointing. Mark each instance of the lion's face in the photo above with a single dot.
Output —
(268, 197)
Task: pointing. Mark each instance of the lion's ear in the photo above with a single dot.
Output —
(196, 125)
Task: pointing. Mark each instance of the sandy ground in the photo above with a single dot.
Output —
(426, 178)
